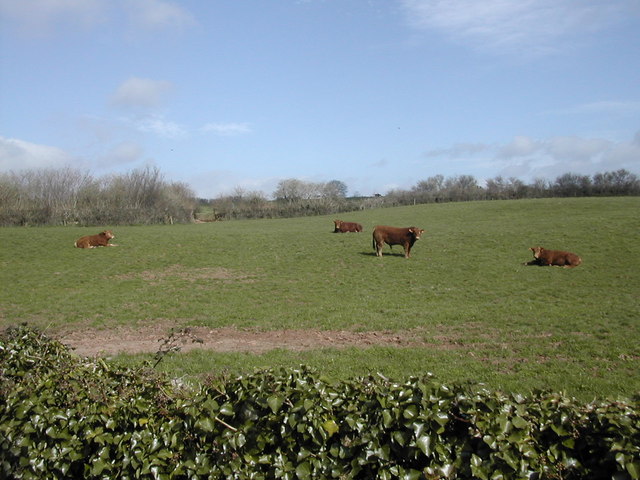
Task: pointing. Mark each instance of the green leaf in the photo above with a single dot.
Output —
(412, 475)
(206, 424)
(98, 467)
(634, 470)
(227, 409)
(330, 427)
(387, 418)
(275, 402)
(559, 430)
(442, 418)
(302, 454)
(519, 422)
(303, 470)
(410, 412)
(399, 438)
(424, 444)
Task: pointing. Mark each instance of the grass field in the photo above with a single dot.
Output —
(465, 291)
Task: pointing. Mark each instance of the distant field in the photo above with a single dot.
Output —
(481, 315)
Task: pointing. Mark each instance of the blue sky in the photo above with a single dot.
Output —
(379, 94)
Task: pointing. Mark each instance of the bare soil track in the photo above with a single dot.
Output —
(150, 339)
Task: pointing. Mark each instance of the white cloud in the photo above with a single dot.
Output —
(144, 96)
(123, 153)
(576, 149)
(142, 93)
(459, 150)
(18, 154)
(43, 17)
(227, 129)
(526, 158)
(519, 146)
(157, 125)
(40, 17)
(527, 26)
(624, 155)
(158, 14)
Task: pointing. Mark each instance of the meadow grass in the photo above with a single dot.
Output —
(465, 290)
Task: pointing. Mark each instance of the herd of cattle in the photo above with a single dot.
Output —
(408, 236)
(381, 234)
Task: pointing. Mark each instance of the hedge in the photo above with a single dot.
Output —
(67, 417)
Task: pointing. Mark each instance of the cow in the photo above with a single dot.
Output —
(544, 257)
(343, 227)
(93, 241)
(395, 236)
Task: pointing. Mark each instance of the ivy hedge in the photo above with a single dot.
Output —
(66, 417)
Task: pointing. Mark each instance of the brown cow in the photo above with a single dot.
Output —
(93, 241)
(343, 227)
(544, 257)
(395, 236)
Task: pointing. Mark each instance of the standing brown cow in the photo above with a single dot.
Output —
(395, 236)
(93, 241)
(343, 227)
(544, 257)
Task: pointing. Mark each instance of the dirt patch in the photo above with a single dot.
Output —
(149, 339)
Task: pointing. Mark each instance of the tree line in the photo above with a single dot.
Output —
(294, 197)
(466, 188)
(70, 196)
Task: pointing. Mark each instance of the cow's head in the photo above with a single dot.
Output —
(107, 234)
(536, 251)
(416, 232)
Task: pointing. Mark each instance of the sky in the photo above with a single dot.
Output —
(237, 95)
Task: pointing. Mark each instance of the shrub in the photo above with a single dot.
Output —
(62, 416)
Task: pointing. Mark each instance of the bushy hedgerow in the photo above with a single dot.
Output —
(62, 416)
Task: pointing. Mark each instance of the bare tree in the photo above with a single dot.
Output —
(335, 189)
(463, 187)
(499, 188)
(620, 182)
(572, 185)
(290, 190)
(540, 187)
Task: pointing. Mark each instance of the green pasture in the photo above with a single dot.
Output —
(465, 291)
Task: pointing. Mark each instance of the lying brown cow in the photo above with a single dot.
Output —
(395, 236)
(93, 241)
(544, 257)
(343, 227)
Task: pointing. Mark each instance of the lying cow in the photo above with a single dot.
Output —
(544, 257)
(395, 236)
(93, 241)
(343, 227)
